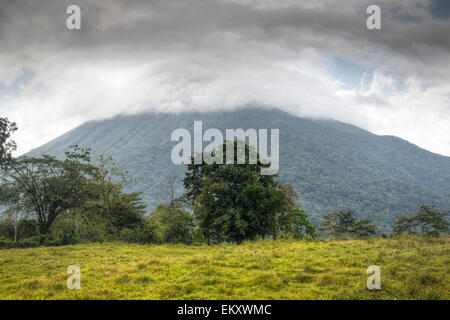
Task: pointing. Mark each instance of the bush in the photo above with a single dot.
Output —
(5, 243)
(31, 242)
(174, 224)
(40, 240)
(23, 243)
(148, 232)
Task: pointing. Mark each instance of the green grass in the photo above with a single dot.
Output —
(411, 268)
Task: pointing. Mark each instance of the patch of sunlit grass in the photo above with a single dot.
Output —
(411, 268)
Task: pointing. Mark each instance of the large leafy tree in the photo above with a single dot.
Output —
(109, 204)
(343, 225)
(7, 145)
(234, 202)
(300, 226)
(48, 187)
(429, 221)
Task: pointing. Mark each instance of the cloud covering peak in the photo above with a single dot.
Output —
(311, 58)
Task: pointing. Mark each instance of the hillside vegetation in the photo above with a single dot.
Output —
(411, 268)
(332, 165)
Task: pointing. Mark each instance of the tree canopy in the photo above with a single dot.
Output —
(428, 221)
(234, 202)
(7, 146)
(48, 186)
(344, 225)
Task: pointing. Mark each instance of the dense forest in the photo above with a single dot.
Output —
(49, 201)
(331, 165)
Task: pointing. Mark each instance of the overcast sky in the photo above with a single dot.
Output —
(311, 58)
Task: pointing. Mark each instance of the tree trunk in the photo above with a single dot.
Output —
(15, 233)
(43, 229)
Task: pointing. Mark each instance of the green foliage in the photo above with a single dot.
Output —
(364, 228)
(175, 224)
(301, 226)
(40, 240)
(7, 145)
(331, 165)
(47, 187)
(429, 222)
(234, 202)
(146, 232)
(343, 225)
(23, 243)
(111, 211)
(125, 211)
(71, 200)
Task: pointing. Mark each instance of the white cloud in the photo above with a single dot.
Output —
(171, 56)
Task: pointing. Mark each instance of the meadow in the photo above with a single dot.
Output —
(411, 268)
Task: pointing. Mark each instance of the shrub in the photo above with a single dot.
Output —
(146, 233)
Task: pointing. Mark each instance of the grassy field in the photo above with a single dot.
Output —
(411, 268)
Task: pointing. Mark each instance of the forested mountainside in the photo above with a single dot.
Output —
(330, 164)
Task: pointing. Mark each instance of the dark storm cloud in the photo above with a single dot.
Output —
(141, 27)
(440, 9)
(136, 24)
(168, 55)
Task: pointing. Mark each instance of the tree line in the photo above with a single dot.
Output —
(45, 200)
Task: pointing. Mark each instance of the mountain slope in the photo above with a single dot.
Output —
(331, 165)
